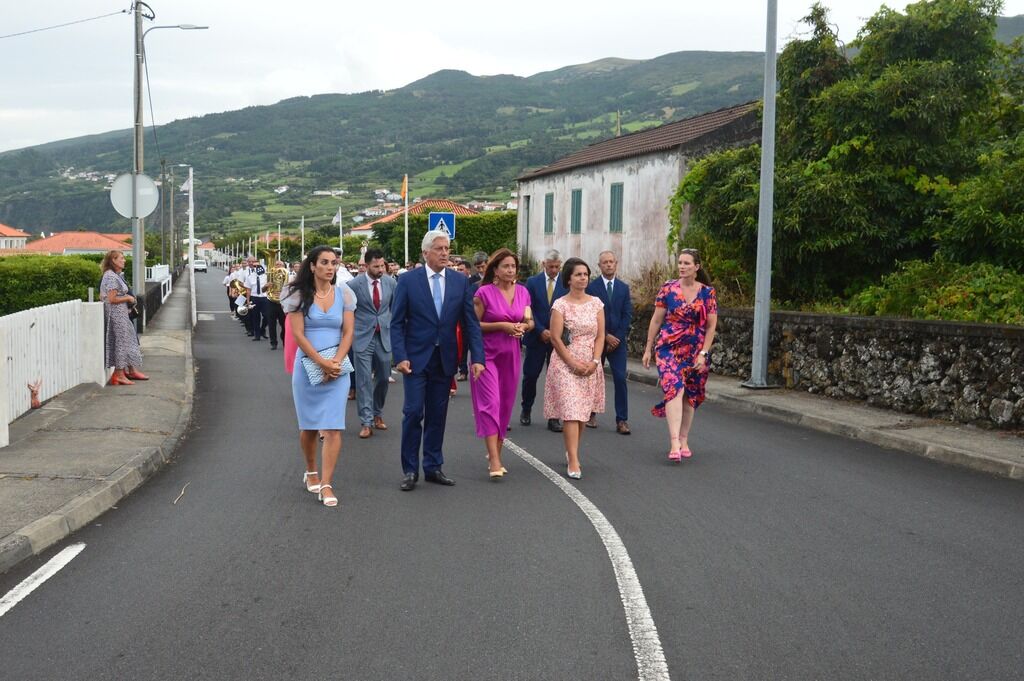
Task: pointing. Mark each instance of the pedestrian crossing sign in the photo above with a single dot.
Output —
(444, 222)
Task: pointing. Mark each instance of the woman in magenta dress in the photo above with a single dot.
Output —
(684, 321)
(503, 308)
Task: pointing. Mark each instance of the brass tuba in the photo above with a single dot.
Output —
(236, 288)
(276, 279)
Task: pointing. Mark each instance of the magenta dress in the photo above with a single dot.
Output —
(494, 393)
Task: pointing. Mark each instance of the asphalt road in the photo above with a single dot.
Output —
(776, 553)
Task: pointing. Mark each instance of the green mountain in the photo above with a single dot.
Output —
(455, 134)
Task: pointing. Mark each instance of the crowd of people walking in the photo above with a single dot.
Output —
(442, 322)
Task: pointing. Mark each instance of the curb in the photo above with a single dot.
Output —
(44, 532)
(953, 456)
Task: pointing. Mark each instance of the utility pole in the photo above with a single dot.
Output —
(174, 263)
(763, 276)
(138, 225)
(163, 225)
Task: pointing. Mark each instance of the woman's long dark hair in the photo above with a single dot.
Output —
(702, 274)
(305, 283)
(496, 259)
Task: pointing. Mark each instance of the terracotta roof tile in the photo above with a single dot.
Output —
(426, 205)
(8, 231)
(661, 138)
(77, 241)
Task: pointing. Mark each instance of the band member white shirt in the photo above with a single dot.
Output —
(257, 275)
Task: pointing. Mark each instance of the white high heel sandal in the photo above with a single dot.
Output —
(305, 481)
(331, 501)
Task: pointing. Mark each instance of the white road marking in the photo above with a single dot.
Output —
(650, 658)
(35, 580)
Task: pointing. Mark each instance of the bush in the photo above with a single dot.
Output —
(29, 281)
(939, 289)
(485, 232)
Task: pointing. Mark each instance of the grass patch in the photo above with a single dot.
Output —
(683, 88)
(430, 176)
(639, 125)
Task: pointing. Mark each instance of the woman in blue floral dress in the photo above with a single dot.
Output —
(681, 333)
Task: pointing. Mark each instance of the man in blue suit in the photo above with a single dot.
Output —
(429, 303)
(618, 315)
(545, 288)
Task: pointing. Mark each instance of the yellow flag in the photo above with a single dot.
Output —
(405, 186)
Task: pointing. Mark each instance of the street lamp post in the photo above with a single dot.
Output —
(142, 11)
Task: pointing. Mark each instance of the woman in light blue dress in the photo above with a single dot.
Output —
(321, 316)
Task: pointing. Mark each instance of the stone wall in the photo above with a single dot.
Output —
(971, 373)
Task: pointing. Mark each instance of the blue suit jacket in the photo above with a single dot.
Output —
(618, 312)
(416, 329)
(538, 288)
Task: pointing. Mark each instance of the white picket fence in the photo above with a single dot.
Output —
(60, 345)
(162, 274)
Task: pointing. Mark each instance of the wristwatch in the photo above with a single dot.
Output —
(703, 353)
(597, 362)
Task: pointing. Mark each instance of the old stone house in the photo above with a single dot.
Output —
(614, 194)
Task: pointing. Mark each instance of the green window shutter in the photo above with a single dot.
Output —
(549, 213)
(576, 222)
(615, 221)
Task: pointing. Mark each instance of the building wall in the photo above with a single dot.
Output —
(12, 242)
(647, 184)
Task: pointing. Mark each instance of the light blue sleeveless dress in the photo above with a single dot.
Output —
(321, 407)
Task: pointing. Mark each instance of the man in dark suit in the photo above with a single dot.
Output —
(618, 315)
(545, 288)
(479, 267)
(374, 292)
(430, 302)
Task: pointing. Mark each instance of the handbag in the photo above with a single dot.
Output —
(566, 336)
(133, 309)
(315, 373)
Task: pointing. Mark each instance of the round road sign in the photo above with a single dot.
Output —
(146, 191)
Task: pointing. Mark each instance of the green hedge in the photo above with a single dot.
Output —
(28, 281)
(485, 232)
(939, 289)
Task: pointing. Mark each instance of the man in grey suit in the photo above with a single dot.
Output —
(372, 343)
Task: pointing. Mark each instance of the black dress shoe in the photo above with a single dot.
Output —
(273, 346)
(408, 482)
(438, 477)
(524, 418)
(554, 425)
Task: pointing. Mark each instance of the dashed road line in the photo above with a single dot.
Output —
(36, 579)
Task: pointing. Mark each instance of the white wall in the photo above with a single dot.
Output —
(60, 345)
(648, 183)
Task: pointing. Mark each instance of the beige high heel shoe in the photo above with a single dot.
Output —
(328, 501)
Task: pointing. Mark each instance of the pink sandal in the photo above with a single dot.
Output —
(685, 453)
(676, 455)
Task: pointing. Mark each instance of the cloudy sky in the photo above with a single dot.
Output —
(77, 80)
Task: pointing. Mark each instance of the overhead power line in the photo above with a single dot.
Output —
(70, 23)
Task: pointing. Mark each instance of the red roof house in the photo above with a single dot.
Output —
(64, 243)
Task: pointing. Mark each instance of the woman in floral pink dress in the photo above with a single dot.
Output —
(684, 321)
(574, 386)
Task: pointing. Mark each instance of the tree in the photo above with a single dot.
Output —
(871, 150)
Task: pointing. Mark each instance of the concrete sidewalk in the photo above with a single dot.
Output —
(997, 452)
(77, 456)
